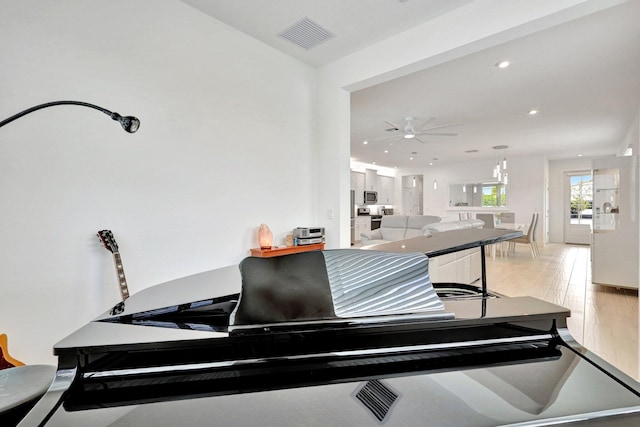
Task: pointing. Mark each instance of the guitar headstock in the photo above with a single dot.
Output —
(106, 237)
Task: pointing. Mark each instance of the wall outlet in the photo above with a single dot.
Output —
(330, 213)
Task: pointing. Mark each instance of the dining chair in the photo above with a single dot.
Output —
(508, 218)
(488, 218)
(528, 238)
(489, 222)
(533, 236)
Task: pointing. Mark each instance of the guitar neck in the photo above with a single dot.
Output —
(122, 280)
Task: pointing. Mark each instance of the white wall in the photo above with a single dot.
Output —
(525, 194)
(225, 144)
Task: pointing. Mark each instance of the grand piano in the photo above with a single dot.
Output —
(334, 338)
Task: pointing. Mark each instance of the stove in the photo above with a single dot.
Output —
(375, 219)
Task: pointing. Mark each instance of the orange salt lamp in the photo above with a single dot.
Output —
(265, 237)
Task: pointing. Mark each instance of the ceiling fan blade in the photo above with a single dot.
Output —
(419, 140)
(440, 127)
(397, 140)
(426, 122)
(437, 134)
(393, 125)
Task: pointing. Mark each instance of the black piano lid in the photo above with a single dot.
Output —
(500, 361)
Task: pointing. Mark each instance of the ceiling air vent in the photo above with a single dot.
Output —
(306, 34)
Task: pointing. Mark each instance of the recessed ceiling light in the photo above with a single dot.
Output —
(430, 163)
(373, 163)
(386, 151)
(503, 64)
(365, 142)
(579, 155)
(533, 112)
(410, 158)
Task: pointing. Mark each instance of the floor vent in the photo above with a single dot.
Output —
(377, 398)
(306, 34)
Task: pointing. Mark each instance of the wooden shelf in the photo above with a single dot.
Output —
(285, 250)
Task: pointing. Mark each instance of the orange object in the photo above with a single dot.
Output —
(6, 361)
(265, 237)
(266, 253)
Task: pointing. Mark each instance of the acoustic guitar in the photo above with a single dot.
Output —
(107, 239)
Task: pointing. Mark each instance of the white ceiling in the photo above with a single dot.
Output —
(355, 23)
(582, 76)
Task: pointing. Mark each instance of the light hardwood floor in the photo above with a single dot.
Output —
(603, 319)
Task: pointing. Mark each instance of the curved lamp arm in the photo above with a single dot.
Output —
(129, 123)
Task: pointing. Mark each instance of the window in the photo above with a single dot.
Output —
(494, 195)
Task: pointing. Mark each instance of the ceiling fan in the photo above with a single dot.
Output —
(410, 131)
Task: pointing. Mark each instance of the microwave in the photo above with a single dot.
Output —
(370, 197)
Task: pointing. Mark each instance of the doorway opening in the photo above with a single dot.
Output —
(578, 203)
(412, 191)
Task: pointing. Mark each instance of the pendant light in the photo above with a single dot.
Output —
(500, 169)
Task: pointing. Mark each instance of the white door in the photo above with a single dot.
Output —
(412, 195)
(578, 207)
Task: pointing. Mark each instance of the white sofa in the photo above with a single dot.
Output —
(398, 227)
(458, 267)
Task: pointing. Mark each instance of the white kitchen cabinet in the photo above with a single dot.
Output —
(371, 180)
(357, 185)
(385, 189)
(362, 224)
(458, 267)
(475, 268)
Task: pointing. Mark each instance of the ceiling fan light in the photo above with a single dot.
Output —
(409, 136)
